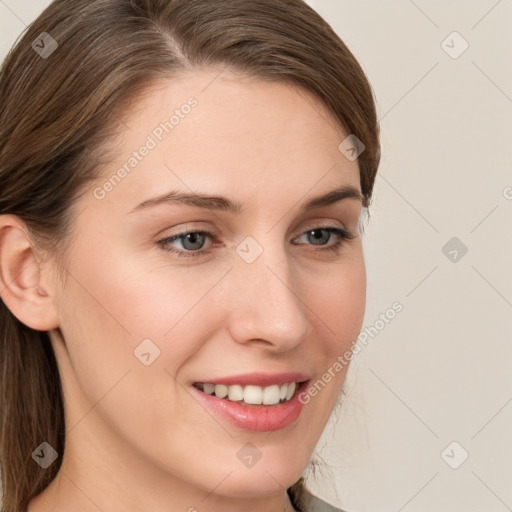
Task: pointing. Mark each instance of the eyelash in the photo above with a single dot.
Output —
(343, 236)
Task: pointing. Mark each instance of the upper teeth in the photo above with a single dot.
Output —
(254, 395)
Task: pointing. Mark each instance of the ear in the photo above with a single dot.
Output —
(22, 288)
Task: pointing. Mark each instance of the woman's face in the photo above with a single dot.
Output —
(148, 313)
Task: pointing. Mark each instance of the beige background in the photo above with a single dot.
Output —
(439, 372)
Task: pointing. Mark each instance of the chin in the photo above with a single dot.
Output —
(256, 485)
(264, 478)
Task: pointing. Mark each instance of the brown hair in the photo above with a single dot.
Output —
(58, 109)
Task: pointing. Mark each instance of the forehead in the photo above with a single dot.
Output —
(206, 131)
(229, 103)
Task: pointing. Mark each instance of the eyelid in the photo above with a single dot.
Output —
(190, 227)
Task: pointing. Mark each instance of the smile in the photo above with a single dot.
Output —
(250, 394)
(262, 403)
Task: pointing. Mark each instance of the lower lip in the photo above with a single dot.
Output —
(264, 418)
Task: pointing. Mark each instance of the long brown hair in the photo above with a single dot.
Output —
(62, 89)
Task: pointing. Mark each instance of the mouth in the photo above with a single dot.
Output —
(251, 395)
(256, 403)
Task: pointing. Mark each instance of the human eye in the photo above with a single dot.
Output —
(192, 243)
(321, 235)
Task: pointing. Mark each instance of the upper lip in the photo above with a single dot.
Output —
(259, 379)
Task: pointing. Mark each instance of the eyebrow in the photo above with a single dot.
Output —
(224, 204)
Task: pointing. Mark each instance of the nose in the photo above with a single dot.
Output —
(267, 308)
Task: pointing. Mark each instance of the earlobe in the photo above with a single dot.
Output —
(21, 285)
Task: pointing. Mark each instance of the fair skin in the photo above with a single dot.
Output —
(136, 438)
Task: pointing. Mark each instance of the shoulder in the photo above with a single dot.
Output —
(311, 503)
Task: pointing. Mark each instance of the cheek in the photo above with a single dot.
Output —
(115, 311)
(338, 305)
(104, 318)
(337, 300)
(348, 292)
(132, 300)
